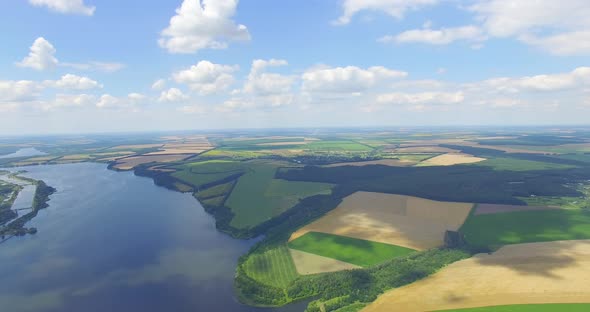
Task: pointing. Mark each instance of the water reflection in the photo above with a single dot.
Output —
(111, 241)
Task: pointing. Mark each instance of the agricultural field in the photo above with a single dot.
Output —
(581, 202)
(384, 162)
(514, 164)
(273, 267)
(337, 146)
(258, 196)
(494, 230)
(351, 250)
(309, 263)
(550, 307)
(129, 163)
(405, 221)
(378, 202)
(536, 273)
(201, 174)
(451, 159)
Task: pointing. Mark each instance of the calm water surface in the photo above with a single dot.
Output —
(111, 241)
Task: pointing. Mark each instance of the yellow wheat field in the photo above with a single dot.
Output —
(536, 273)
(451, 159)
(406, 221)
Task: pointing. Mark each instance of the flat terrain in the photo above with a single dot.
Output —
(308, 263)
(536, 273)
(400, 220)
(202, 173)
(451, 159)
(350, 250)
(553, 307)
(385, 162)
(258, 197)
(512, 164)
(527, 226)
(273, 267)
(494, 208)
(129, 163)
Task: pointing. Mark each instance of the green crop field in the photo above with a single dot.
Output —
(197, 180)
(198, 174)
(526, 226)
(257, 196)
(337, 146)
(215, 191)
(213, 201)
(556, 307)
(514, 164)
(213, 166)
(273, 267)
(347, 249)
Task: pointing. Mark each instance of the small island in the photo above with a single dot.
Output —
(11, 223)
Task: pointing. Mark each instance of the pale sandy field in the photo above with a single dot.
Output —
(182, 148)
(307, 263)
(451, 159)
(76, 157)
(536, 273)
(424, 149)
(130, 162)
(386, 162)
(406, 221)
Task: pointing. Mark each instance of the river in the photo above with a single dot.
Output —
(111, 241)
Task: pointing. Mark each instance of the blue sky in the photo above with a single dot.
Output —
(74, 66)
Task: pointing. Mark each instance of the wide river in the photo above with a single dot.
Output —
(111, 241)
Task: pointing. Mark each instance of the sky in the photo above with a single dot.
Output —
(84, 66)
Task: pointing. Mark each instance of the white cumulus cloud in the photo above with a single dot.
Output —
(66, 6)
(395, 8)
(347, 79)
(73, 82)
(560, 27)
(206, 77)
(438, 36)
(172, 95)
(41, 56)
(202, 24)
(422, 98)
